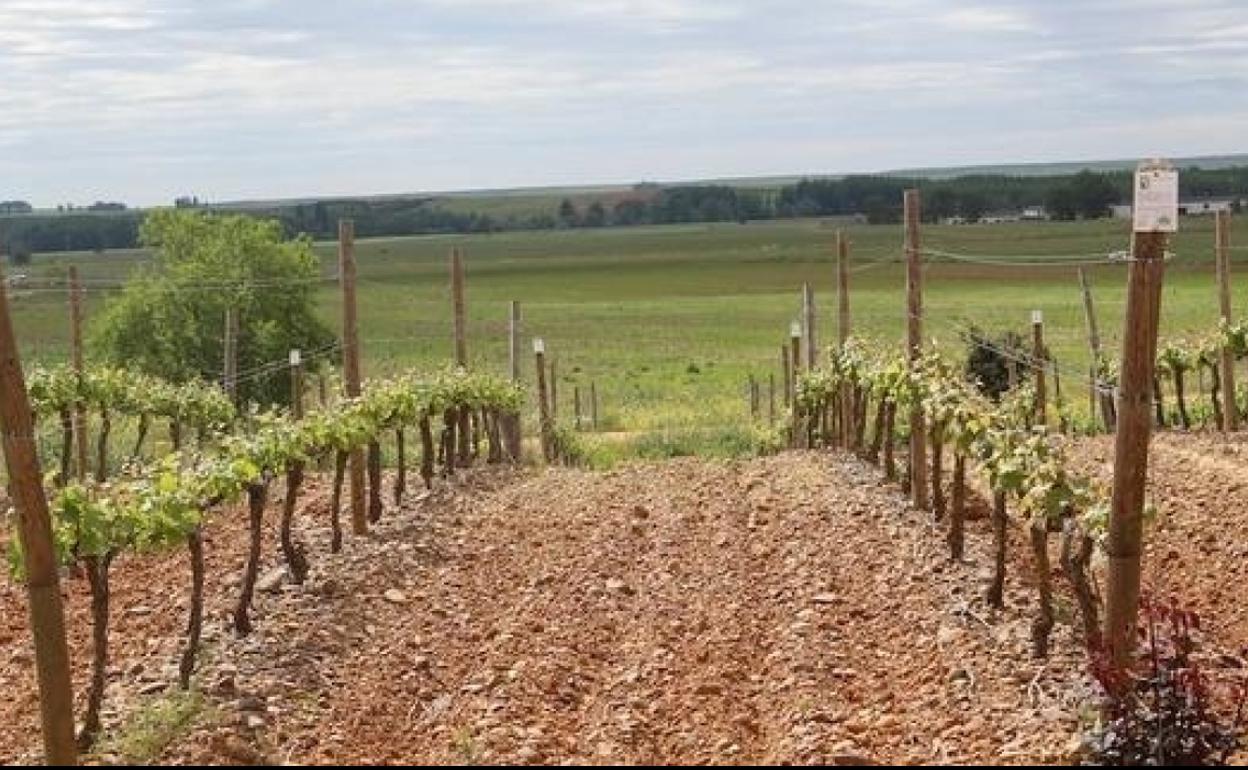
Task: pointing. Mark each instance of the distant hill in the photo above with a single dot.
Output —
(1210, 162)
(580, 192)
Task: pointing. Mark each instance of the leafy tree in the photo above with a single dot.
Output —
(1093, 193)
(169, 320)
(568, 216)
(595, 215)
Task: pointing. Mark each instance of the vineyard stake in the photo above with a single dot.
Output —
(457, 299)
(593, 404)
(1100, 394)
(771, 398)
(543, 406)
(809, 319)
(795, 357)
(1123, 546)
(513, 337)
(842, 332)
(576, 405)
(351, 363)
(229, 354)
(1038, 365)
(296, 384)
(47, 615)
(914, 347)
(554, 389)
(80, 408)
(788, 374)
(1222, 229)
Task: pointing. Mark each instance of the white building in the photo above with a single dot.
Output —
(1188, 208)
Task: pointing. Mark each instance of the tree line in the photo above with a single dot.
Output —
(877, 198)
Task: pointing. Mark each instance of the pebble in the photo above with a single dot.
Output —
(395, 596)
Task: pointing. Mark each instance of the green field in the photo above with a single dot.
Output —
(670, 321)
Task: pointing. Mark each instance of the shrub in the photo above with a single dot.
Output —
(988, 360)
(1166, 708)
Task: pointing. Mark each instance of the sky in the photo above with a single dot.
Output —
(142, 101)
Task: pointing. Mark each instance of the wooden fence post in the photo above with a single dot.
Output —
(1101, 394)
(34, 530)
(593, 404)
(914, 347)
(771, 398)
(1038, 365)
(543, 406)
(1222, 236)
(513, 336)
(554, 389)
(576, 406)
(809, 321)
(457, 301)
(296, 384)
(848, 412)
(1156, 184)
(229, 364)
(788, 375)
(351, 363)
(795, 358)
(80, 408)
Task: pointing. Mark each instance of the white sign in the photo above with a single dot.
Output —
(795, 330)
(1037, 317)
(1156, 200)
(295, 358)
(539, 346)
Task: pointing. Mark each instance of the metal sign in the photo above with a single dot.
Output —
(1156, 207)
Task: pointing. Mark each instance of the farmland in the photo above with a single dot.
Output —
(670, 321)
(728, 600)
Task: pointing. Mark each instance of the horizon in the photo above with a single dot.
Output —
(142, 101)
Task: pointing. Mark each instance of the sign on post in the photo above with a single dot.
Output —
(1156, 199)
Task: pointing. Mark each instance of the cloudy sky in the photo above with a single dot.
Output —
(143, 100)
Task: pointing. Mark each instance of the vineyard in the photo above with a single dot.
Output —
(518, 608)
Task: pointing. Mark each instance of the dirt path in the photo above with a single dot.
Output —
(789, 609)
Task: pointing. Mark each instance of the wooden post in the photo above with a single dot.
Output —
(771, 398)
(1038, 364)
(788, 375)
(1222, 236)
(229, 364)
(1124, 544)
(808, 327)
(795, 358)
(576, 406)
(47, 615)
(1105, 400)
(543, 405)
(457, 299)
(351, 363)
(914, 347)
(296, 384)
(593, 404)
(80, 408)
(554, 389)
(848, 427)
(513, 334)
(795, 351)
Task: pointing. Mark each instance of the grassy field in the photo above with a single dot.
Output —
(670, 321)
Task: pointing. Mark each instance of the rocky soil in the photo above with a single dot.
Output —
(787, 609)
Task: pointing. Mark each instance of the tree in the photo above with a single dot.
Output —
(1093, 194)
(568, 216)
(169, 320)
(595, 215)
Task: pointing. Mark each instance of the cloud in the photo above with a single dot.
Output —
(418, 94)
